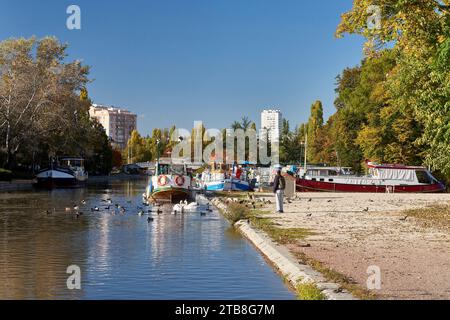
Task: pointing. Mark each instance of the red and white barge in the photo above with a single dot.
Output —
(382, 178)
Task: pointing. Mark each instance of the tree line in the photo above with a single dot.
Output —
(395, 106)
(44, 108)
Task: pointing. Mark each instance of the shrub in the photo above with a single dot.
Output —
(5, 175)
(236, 212)
(309, 291)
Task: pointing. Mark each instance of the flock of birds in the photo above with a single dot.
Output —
(113, 209)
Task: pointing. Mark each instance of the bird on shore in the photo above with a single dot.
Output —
(404, 218)
(309, 215)
(366, 209)
(83, 202)
(309, 200)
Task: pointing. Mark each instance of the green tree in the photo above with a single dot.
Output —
(314, 126)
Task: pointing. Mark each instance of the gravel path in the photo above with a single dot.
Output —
(356, 231)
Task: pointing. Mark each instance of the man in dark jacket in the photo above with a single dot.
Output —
(279, 185)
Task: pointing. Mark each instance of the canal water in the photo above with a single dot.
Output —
(120, 254)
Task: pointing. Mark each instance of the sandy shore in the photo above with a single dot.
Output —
(355, 231)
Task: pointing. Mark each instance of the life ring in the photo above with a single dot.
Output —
(162, 180)
(179, 180)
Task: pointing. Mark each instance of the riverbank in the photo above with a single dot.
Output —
(308, 283)
(406, 235)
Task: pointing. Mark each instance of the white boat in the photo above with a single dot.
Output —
(65, 172)
(170, 183)
(218, 179)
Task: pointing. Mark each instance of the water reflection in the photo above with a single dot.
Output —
(121, 255)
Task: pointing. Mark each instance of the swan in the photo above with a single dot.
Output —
(178, 208)
(193, 206)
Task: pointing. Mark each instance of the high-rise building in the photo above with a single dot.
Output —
(272, 120)
(118, 123)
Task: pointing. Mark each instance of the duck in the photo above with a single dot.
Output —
(140, 213)
(150, 219)
(95, 209)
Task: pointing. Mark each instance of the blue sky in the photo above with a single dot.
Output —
(177, 61)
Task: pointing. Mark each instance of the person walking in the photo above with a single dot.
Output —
(279, 185)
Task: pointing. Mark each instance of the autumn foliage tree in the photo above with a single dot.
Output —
(44, 106)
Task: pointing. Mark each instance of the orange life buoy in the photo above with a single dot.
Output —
(162, 180)
(179, 180)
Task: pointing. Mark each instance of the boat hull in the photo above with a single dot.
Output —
(169, 194)
(227, 185)
(304, 185)
(53, 178)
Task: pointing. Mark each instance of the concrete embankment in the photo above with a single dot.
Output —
(285, 263)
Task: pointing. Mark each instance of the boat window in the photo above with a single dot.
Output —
(330, 180)
(322, 180)
(423, 177)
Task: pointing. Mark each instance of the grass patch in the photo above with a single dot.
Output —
(434, 216)
(280, 235)
(232, 195)
(309, 291)
(236, 212)
(333, 276)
